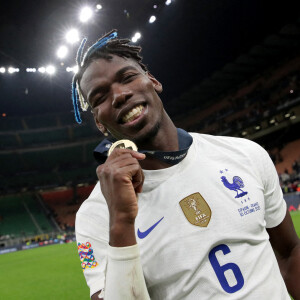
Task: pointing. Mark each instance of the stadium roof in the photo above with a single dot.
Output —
(275, 48)
(188, 42)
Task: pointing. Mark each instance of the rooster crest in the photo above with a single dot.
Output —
(236, 185)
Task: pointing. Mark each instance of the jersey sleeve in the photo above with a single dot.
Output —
(92, 243)
(275, 205)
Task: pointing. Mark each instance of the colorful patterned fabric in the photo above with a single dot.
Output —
(86, 256)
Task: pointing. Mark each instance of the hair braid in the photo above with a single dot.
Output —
(106, 46)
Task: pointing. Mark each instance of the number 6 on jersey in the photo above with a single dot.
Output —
(220, 270)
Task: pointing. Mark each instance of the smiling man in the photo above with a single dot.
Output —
(189, 216)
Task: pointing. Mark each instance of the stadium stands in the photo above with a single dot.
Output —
(290, 154)
(269, 100)
(21, 216)
(46, 151)
(65, 202)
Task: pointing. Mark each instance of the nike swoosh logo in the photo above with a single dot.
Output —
(142, 235)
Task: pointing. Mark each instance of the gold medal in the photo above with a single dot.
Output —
(122, 144)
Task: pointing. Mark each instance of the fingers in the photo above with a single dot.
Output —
(116, 164)
(123, 164)
(119, 152)
(139, 187)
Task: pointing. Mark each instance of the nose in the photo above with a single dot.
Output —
(120, 96)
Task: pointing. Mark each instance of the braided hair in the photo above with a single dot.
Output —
(106, 46)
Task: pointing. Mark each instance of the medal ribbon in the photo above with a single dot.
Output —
(185, 140)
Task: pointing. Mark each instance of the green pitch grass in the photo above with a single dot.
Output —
(50, 272)
(296, 220)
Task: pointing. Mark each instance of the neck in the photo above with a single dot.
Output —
(166, 139)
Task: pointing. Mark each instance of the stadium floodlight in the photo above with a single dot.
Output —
(152, 19)
(137, 35)
(50, 70)
(72, 36)
(62, 52)
(99, 6)
(168, 2)
(85, 14)
(72, 69)
(13, 70)
(2, 70)
(30, 70)
(42, 69)
(75, 69)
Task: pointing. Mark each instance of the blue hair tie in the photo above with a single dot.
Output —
(79, 51)
(98, 45)
(80, 62)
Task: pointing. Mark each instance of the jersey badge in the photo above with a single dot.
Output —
(196, 210)
(235, 184)
(86, 256)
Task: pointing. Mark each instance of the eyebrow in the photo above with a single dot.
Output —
(117, 76)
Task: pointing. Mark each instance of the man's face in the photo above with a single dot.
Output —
(123, 98)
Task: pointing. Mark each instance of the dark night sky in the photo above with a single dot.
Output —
(188, 42)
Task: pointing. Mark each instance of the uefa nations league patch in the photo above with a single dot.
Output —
(86, 256)
(196, 210)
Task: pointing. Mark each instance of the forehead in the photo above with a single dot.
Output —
(105, 68)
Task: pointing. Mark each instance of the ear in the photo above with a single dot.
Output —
(156, 84)
(100, 126)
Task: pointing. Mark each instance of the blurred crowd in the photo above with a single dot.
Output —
(290, 182)
(250, 110)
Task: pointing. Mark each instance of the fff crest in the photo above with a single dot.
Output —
(196, 210)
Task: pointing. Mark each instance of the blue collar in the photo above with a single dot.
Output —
(185, 140)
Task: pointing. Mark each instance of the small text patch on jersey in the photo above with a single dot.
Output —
(86, 255)
(196, 210)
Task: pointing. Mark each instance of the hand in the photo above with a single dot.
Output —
(121, 178)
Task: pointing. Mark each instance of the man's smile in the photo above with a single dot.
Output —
(134, 115)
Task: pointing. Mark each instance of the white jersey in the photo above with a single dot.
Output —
(201, 225)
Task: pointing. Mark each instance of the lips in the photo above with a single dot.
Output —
(132, 114)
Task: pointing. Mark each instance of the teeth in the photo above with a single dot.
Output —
(133, 114)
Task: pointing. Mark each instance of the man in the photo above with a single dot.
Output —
(187, 217)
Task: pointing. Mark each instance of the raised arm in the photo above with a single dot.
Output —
(286, 245)
(121, 178)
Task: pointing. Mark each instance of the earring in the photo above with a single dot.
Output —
(105, 133)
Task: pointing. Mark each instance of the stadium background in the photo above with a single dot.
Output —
(227, 69)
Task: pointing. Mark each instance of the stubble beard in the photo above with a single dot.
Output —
(148, 137)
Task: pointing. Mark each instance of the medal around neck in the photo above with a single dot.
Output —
(122, 144)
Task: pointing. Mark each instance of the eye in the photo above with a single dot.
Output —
(128, 77)
(98, 100)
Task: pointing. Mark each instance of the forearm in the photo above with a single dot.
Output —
(122, 232)
(290, 270)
